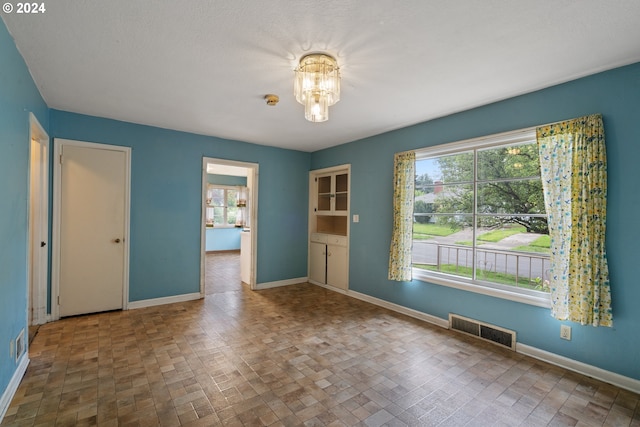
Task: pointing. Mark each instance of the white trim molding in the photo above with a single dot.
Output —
(37, 274)
(12, 387)
(434, 320)
(617, 380)
(279, 283)
(541, 300)
(609, 377)
(163, 300)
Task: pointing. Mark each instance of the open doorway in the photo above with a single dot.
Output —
(229, 221)
(38, 225)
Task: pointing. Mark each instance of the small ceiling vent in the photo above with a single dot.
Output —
(485, 331)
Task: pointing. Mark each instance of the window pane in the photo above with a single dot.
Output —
(456, 168)
(232, 197)
(218, 216)
(508, 161)
(217, 197)
(505, 202)
(509, 255)
(511, 197)
(445, 169)
(444, 243)
(515, 224)
(232, 213)
(449, 198)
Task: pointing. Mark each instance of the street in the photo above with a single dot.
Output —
(497, 257)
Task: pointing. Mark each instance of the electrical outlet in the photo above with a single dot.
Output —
(565, 332)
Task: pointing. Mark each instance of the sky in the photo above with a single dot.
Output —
(429, 166)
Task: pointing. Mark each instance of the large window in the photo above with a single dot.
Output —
(479, 216)
(222, 206)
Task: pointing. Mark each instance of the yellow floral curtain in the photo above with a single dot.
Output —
(403, 194)
(574, 176)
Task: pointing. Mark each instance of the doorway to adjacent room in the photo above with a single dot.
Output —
(229, 223)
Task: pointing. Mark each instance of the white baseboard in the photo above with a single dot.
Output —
(164, 300)
(617, 380)
(331, 288)
(389, 305)
(12, 387)
(278, 283)
(434, 320)
(580, 367)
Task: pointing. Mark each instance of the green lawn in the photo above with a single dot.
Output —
(497, 235)
(490, 276)
(428, 231)
(541, 244)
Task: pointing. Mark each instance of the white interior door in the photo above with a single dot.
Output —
(93, 196)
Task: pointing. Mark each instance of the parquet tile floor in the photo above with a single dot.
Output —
(292, 356)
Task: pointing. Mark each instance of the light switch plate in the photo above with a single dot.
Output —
(356, 218)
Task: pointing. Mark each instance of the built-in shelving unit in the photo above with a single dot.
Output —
(329, 226)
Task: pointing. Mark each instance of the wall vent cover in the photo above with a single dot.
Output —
(485, 331)
(20, 345)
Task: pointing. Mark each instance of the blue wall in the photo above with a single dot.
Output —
(615, 94)
(166, 194)
(222, 239)
(18, 96)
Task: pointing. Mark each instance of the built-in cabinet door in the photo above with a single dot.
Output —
(341, 193)
(332, 193)
(337, 266)
(324, 191)
(318, 262)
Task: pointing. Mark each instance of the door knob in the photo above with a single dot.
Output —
(117, 241)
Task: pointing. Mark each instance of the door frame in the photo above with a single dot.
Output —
(38, 227)
(58, 145)
(253, 216)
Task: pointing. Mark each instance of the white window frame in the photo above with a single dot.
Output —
(532, 297)
(225, 188)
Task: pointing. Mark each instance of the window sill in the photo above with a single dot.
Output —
(542, 300)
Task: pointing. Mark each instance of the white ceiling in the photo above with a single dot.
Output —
(204, 66)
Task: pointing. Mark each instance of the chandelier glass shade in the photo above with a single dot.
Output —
(317, 85)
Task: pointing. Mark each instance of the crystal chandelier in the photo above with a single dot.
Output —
(317, 85)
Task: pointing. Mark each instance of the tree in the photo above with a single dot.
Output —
(424, 184)
(509, 188)
(420, 206)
